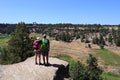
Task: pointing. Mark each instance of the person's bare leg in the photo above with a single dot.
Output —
(35, 58)
(43, 59)
(47, 59)
(39, 58)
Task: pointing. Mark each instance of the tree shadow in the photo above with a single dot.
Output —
(62, 72)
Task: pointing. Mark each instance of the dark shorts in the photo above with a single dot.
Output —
(37, 51)
(45, 52)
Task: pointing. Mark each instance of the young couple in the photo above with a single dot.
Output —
(41, 47)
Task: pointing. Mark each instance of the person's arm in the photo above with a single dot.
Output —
(40, 44)
(33, 42)
(48, 45)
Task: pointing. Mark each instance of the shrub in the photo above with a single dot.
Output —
(77, 71)
(64, 37)
(101, 46)
(92, 71)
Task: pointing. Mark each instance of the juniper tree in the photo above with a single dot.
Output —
(20, 44)
(92, 71)
(101, 41)
(77, 71)
(110, 39)
(118, 36)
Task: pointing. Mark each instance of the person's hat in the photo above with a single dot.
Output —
(38, 38)
(44, 35)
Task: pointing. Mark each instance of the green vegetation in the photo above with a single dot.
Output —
(78, 71)
(65, 36)
(3, 44)
(92, 70)
(75, 69)
(6, 28)
(108, 57)
(19, 46)
(65, 58)
(16, 49)
(3, 41)
(109, 76)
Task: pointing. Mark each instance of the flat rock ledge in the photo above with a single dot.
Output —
(27, 70)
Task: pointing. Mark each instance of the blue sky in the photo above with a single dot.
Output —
(60, 11)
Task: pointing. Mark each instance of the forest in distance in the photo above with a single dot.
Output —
(95, 33)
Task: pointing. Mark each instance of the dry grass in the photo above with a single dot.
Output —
(114, 49)
(36, 35)
(75, 49)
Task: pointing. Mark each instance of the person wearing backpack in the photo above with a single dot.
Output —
(37, 49)
(45, 50)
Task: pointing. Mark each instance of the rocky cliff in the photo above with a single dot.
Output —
(27, 70)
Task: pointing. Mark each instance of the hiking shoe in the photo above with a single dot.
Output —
(36, 63)
(43, 63)
(40, 63)
(48, 64)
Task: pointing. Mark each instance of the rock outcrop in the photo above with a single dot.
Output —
(27, 70)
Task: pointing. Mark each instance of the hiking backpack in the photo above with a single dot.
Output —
(35, 45)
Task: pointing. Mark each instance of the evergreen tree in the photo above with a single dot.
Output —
(64, 37)
(77, 71)
(114, 35)
(101, 40)
(68, 37)
(110, 39)
(20, 44)
(95, 40)
(92, 72)
(86, 39)
(5, 56)
(118, 36)
(77, 36)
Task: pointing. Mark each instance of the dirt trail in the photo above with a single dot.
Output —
(27, 70)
